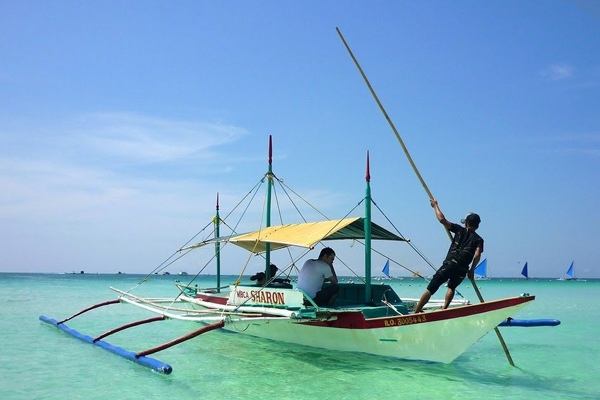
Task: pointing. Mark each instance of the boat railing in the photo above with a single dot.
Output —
(308, 299)
(193, 290)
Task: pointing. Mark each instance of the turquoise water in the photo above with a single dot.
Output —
(42, 362)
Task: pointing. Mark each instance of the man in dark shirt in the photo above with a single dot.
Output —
(466, 246)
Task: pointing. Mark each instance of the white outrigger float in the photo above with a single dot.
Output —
(365, 318)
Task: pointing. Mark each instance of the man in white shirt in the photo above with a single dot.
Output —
(314, 273)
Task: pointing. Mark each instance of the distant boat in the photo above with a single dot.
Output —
(571, 274)
(524, 271)
(386, 269)
(183, 273)
(481, 271)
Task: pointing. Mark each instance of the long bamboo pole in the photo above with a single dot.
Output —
(412, 163)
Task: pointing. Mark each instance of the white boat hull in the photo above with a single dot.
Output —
(440, 341)
(438, 336)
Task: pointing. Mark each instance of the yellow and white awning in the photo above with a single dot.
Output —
(306, 234)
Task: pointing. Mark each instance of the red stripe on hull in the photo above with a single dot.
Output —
(449, 313)
(356, 320)
(212, 299)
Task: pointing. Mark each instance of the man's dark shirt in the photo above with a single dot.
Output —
(462, 249)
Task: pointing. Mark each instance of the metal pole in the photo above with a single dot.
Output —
(268, 222)
(218, 246)
(367, 228)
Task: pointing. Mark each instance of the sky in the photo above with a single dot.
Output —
(120, 121)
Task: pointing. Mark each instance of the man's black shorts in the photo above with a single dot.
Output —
(323, 295)
(448, 272)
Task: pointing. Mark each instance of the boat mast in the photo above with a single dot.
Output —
(268, 210)
(368, 235)
(217, 221)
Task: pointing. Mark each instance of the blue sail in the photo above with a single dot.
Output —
(524, 271)
(481, 269)
(386, 269)
(570, 271)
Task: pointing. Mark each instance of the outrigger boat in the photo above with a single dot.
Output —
(366, 317)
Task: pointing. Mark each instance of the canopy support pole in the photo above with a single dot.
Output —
(218, 245)
(268, 210)
(368, 297)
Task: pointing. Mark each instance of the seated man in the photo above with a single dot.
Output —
(314, 273)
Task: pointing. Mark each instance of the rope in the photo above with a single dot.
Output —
(254, 190)
(283, 185)
(407, 241)
(166, 262)
(249, 197)
(237, 283)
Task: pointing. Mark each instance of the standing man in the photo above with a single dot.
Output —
(314, 273)
(466, 246)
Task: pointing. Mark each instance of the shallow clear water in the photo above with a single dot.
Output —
(42, 362)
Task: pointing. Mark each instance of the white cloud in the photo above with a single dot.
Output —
(70, 168)
(557, 72)
(117, 186)
(151, 139)
(49, 192)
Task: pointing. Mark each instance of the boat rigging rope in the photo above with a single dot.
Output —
(407, 241)
(414, 248)
(234, 229)
(375, 250)
(262, 217)
(166, 262)
(254, 191)
(286, 189)
(284, 186)
(281, 218)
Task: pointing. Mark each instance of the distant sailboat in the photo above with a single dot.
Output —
(386, 269)
(481, 271)
(524, 271)
(571, 274)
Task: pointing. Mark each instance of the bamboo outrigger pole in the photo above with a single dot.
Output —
(410, 160)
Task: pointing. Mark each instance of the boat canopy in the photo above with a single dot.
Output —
(306, 234)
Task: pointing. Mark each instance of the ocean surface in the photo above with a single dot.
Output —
(40, 361)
